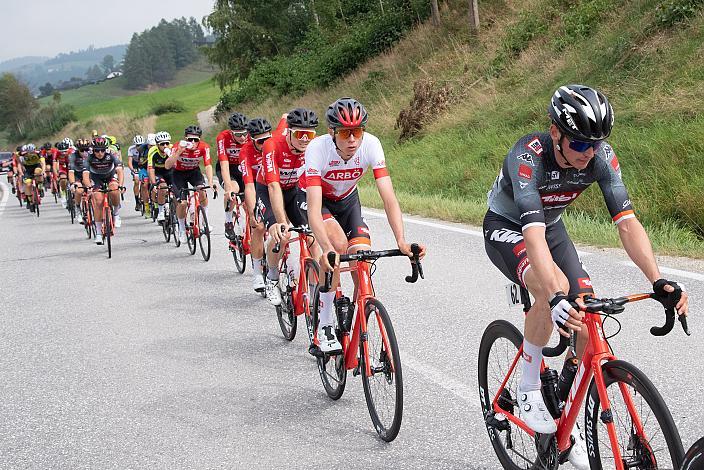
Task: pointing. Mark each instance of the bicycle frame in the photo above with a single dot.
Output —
(596, 353)
(246, 237)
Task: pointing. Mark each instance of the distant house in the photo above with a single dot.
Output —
(112, 75)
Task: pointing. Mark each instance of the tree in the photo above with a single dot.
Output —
(473, 17)
(435, 12)
(56, 97)
(46, 89)
(94, 73)
(16, 103)
(108, 63)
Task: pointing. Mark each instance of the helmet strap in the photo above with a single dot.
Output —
(559, 149)
(293, 148)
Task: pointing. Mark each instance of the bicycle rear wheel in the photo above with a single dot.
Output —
(288, 322)
(203, 234)
(498, 348)
(166, 224)
(263, 272)
(36, 199)
(107, 227)
(190, 232)
(173, 221)
(71, 208)
(657, 446)
(383, 389)
(332, 369)
(312, 271)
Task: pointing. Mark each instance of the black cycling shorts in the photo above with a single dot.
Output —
(182, 178)
(235, 175)
(503, 241)
(166, 175)
(348, 213)
(100, 180)
(294, 205)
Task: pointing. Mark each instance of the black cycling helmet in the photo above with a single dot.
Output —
(83, 144)
(237, 122)
(18, 149)
(193, 130)
(47, 146)
(63, 146)
(302, 117)
(581, 113)
(258, 126)
(346, 112)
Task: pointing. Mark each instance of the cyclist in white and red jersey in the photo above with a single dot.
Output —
(281, 193)
(526, 239)
(60, 168)
(335, 162)
(185, 165)
(229, 143)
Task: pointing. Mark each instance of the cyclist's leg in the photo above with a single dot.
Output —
(195, 177)
(97, 202)
(180, 183)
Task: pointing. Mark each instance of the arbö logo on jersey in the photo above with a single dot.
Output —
(344, 175)
(559, 197)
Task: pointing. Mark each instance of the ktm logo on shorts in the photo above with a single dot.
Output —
(344, 175)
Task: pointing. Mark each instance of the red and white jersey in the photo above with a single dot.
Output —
(228, 149)
(337, 177)
(281, 165)
(62, 158)
(251, 159)
(190, 158)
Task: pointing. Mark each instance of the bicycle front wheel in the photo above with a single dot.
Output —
(166, 224)
(203, 234)
(288, 322)
(107, 227)
(647, 435)
(312, 272)
(383, 389)
(190, 234)
(514, 447)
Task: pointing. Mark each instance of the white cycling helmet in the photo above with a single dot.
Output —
(162, 136)
(138, 139)
(29, 148)
(150, 139)
(68, 141)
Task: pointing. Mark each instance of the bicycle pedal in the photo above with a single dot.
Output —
(314, 350)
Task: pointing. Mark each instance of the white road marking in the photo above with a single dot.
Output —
(673, 271)
(457, 388)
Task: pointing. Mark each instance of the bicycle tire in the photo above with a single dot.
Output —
(332, 369)
(93, 230)
(55, 192)
(388, 372)
(174, 222)
(264, 268)
(166, 224)
(71, 208)
(694, 458)
(85, 215)
(623, 373)
(154, 211)
(285, 312)
(504, 441)
(36, 200)
(203, 231)
(238, 255)
(312, 270)
(107, 227)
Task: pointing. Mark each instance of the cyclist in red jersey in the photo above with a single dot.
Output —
(281, 188)
(259, 130)
(185, 162)
(229, 143)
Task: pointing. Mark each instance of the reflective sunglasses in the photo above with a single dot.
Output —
(239, 133)
(99, 150)
(303, 135)
(193, 139)
(261, 140)
(346, 132)
(581, 147)
(164, 143)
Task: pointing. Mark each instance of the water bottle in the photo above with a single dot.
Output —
(564, 383)
(548, 379)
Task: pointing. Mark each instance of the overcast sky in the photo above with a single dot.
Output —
(47, 27)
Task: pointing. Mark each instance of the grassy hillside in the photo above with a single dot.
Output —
(484, 93)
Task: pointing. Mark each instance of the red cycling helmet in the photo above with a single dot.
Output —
(346, 112)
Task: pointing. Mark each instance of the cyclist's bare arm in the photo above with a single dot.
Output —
(637, 244)
(209, 169)
(314, 199)
(250, 199)
(394, 214)
(225, 175)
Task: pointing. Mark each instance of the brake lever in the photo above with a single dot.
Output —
(416, 267)
(328, 275)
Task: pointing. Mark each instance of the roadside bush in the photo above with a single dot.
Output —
(674, 11)
(172, 106)
(46, 121)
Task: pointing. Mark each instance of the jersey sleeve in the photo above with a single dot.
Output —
(378, 159)
(245, 165)
(314, 163)
(86, 164)
(524, 168)
(206, 153)
(612, 187)
(222, 152)
(281, 126)
(150, 158)
(271, 169)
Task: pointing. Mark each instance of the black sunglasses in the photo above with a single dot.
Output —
(193, 139)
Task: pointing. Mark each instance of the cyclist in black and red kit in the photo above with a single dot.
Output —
(526, 239)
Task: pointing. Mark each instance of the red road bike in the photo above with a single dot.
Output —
(627, 423)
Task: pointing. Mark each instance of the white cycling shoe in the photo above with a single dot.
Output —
(160, 217)
(258, 282)
(327, 340)
(578, 454)
(535, 413)
(272, 292)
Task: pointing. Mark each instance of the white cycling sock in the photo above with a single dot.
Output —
(257, 264)
(228, 217)
(327, 301)
(532, 360)
(182, 224)
(161, 208)
(207, 215)
(98, 227)
(116, 210)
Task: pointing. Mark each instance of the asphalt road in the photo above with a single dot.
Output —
(156, 359)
